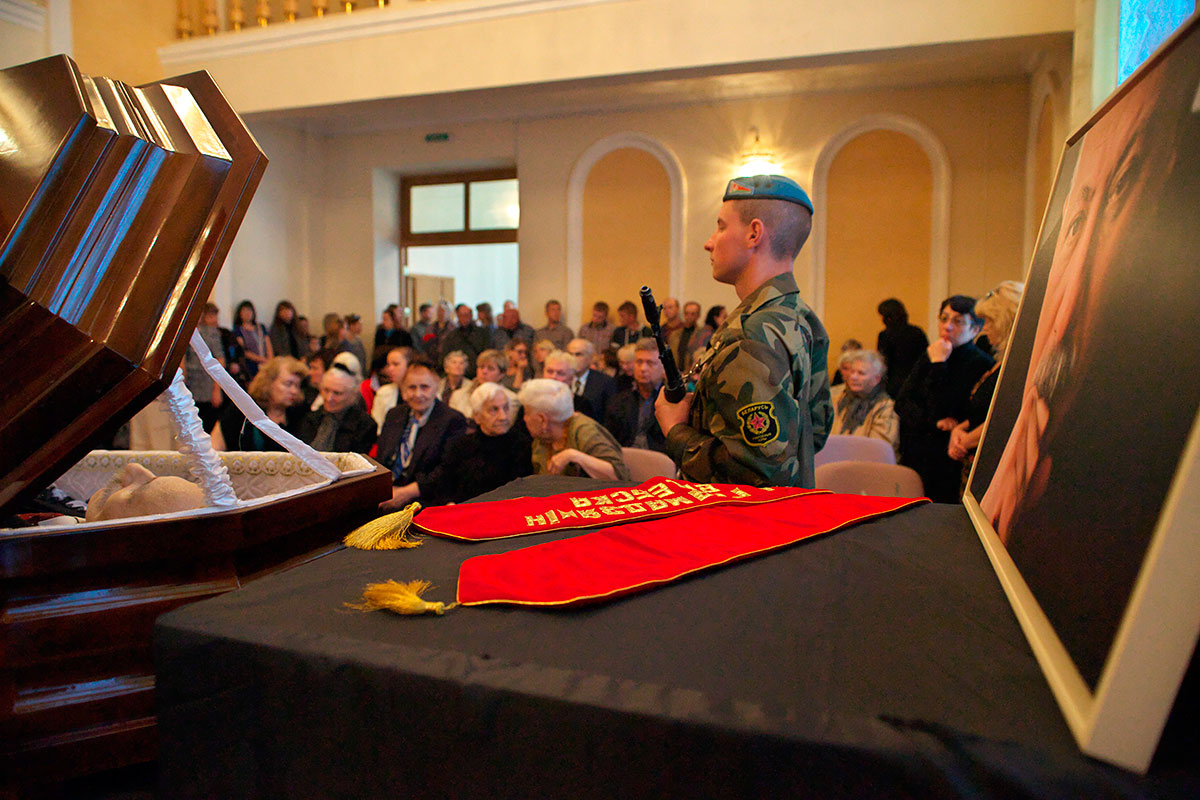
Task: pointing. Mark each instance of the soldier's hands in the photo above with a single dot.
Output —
(671, 414)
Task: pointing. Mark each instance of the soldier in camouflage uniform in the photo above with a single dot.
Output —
(761, 407)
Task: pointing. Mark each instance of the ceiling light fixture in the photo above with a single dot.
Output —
(757, 159)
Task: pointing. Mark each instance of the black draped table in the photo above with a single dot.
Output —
(881, 661)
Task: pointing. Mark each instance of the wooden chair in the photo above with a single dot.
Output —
(644, 464)
(869, 477)
(841, 447)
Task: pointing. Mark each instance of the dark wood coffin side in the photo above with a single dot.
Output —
(78, 608)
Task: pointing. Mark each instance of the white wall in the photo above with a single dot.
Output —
(271, 259)
(22, 32)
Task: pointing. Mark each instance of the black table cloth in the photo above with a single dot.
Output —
(880, 661)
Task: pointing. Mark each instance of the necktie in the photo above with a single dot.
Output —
(577, 387)
(407, 442)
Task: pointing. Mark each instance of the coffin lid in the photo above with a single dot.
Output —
(118, 205)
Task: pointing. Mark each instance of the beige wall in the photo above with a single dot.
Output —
(315, 232)
(626, 230)
(119, 39)
(880, 210)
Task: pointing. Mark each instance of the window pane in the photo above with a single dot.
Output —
(1144, 26)
(480, 271)
(437, 208)
(494, 205)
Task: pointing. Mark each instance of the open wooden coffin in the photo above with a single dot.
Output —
(118, 205)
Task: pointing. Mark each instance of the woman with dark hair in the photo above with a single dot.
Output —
(936, 395)
(390, 331)
(285, 339)
(998, 310)
(900, 343)
(712, 320)
(253, 338)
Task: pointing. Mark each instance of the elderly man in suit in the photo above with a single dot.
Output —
(414, 435)
(596, 388)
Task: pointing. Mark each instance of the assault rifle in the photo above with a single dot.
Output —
(674, 381)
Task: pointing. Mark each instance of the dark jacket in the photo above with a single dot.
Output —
(598, 392)
(472, 340)
(930, 393)
(475, 463)
(901, 347)
(443, 426)
(356, 434)
(622, 421)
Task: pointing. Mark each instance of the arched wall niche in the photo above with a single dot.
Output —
(939, 232)
(576, 187)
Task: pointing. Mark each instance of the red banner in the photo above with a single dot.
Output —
(629, 558)
(657, 497)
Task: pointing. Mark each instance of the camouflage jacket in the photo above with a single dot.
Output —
(761, 408)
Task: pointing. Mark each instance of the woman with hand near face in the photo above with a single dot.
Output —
(935, 398)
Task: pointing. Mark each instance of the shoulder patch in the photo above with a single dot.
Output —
(759, 424)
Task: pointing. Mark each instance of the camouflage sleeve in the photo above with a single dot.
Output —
(750, 415)
(820, 407)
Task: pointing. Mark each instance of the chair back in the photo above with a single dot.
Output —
(645, 464)
(871, 478)
(841, 447)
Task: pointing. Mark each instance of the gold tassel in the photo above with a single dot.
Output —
(389, 532)
(400, 598)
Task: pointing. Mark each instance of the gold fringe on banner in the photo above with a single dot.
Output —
(399, 598)
(389, 532)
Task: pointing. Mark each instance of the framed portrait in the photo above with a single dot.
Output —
(1086, 487)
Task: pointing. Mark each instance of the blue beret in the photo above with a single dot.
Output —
(767, 187)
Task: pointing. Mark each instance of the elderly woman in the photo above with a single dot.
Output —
(998, 310)
(935, 397)
(276, 389)
(454, 365)
(493, 454)
(566, 442)
(863, 407)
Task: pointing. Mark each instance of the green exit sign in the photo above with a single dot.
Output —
(437, 137)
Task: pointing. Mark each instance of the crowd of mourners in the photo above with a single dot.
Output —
(461, 400)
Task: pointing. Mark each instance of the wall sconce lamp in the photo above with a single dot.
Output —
(757, 159)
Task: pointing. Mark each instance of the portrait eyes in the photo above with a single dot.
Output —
(1076, 225)
(1130, 170)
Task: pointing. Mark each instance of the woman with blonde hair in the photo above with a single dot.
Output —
(276, 389)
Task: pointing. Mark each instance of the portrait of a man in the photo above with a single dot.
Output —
(1104, 380)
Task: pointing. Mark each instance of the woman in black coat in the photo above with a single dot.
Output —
(493, 454)
(936, 397)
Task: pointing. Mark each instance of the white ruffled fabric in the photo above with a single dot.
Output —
(195, 445)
